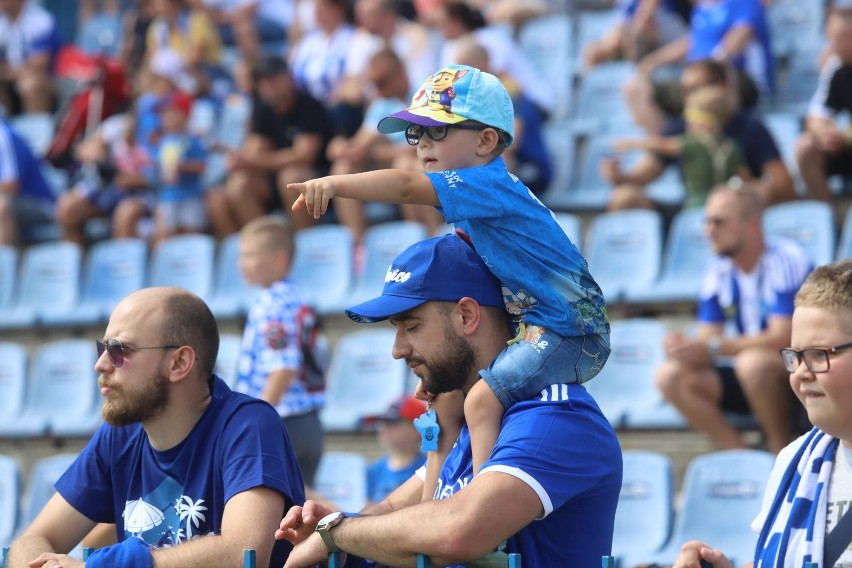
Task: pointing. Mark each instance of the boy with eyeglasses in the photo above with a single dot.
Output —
(461, 121)
(810, 487)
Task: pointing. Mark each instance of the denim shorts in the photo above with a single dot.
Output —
(541, 358)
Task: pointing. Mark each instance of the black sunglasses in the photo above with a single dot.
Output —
(415, 132)
(116, 351)
(816, 358)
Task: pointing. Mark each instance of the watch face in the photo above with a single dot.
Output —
(328, 521)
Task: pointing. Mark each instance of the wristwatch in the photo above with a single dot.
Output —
(327, 523)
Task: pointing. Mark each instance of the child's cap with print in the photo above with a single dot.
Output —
(454, 94)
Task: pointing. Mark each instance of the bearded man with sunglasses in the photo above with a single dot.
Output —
(751, 283)
(190, 473)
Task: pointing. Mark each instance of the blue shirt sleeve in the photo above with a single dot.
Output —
(469, 193)
(87, 483)
(746, 13)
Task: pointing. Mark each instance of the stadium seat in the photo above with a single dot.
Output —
(113, 269)
(591, 26)
(57, 179)
(624, 250)
(572, 227)
(590, 190)
(801, 80)
(203, 118)
(722, 492)
(643, 520)
(687, 252)
(322, 267)
(228, 359)
(232, 296)
(185, 261)
(561, 146)
(37, 128)
(844, 247)
(39, 488)
(231, 130)
(600, 104)
(624, 389)
(810, 223)
(785, 129)
(13, 384)
(62, 392)
(101, 34)
(10, 498)
(547, 43)
(363, 378)
(48, 283)
(793, 24)
(382, 243)
(342, 479)
(8, 275)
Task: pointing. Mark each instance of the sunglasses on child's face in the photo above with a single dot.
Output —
(415, 132)
(116, 351)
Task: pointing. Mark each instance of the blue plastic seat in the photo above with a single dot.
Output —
(13, 386)
(62, 395)
(547, 43)
(687, 253)
(113, 269)
(37, 128)
(8, 275)
(624, 389)
(342, 479)
(809, 223)
(802, 77)
(185, 261)
(203, 118)
(231, 130)
(722, 493)
(322, 267)
(382, 244)
(363, 378)
(39, 488)
(572, 227)
(228, 358)
(785, 129)
(645, 514)
(232, 296)
(600, 105)
(844, 247)
(101, 35)
(624, 251)
(48, 284)
(561, 146)
(10, 498)
(793, 24)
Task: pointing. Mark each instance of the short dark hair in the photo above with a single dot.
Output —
(188, 321)
(269, 66)
(471, 18)
(716, 71)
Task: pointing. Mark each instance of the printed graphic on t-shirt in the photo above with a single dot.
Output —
(166, 516)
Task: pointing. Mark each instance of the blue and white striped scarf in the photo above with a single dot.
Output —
(793, 533)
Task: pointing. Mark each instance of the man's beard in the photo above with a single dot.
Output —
(453, 370)
(144, 405)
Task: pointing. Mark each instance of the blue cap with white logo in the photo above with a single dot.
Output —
(444, 269)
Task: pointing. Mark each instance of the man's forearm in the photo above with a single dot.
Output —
(215, 550)
(27, 548)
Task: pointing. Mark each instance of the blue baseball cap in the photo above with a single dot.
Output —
(454, 94)
(444, 269)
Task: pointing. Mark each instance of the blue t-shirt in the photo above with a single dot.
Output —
(19, 164)
(560, 445)
(712, 19)
(545, 279)
(382, 480)
(169, 497)
(750, 300)
(173, 151)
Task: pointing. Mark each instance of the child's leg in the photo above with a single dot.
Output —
(449, 410)
(483, 412)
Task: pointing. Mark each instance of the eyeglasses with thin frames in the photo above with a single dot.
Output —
(116, 351)
(415, 132)
(816, 358)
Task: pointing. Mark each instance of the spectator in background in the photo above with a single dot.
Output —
(113, 167)
(369, 149)
(766, 169)
(320, 61)
(190, 472)
(642, 27)
(732, 31)
(283, 359)
(401, 440)
(750, 284)
(179, 160)
(25, 196)
(29, 42)
(135, 22)
(824, 149)
(250, 23)
(286, 143)
(528, 158)
(808, 489)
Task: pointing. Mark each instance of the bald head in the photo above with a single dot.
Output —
(472, 53)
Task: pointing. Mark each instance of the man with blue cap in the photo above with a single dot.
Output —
(557, 460)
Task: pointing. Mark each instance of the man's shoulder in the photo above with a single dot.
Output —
(561, 402)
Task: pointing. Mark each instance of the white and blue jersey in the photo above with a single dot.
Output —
(560, 445)
(34, 32)
(749, 300)
(545, 279)
(172, 496)
(272, 342)
(19, 164)
(712, 19)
